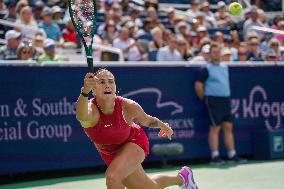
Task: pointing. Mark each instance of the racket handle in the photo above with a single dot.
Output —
(90, 64)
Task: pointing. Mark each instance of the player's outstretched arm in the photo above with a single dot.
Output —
(84, 109)
(139, 115)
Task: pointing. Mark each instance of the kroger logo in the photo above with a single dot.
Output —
(258, 106)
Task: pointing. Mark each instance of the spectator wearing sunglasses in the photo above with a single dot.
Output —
(24, 53)
(49, 52)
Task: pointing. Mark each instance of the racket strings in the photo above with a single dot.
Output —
(84, 16)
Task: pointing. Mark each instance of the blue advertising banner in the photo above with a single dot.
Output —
(39, 131)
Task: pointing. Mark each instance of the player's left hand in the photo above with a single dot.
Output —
(166, 131)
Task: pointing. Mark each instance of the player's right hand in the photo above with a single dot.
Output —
(89, 82)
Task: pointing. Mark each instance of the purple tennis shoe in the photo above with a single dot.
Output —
(187, 177)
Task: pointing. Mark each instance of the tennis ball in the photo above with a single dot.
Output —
(235, 8)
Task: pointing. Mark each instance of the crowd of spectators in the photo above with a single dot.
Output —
(143, 33)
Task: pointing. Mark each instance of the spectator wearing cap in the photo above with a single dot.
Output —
(132, 30)
(223, 18)
(204, 54)
(194, 25)
(252, 21)
(57, 15)
(169, 52)
(182, 28)
(208, 14)
(26, 19)
(50, 27)
(37, 10)
(226, 55)
(201, 33)
(49, 52)
(270, 56)
(9, 51)
(11, 14)
(251, 35)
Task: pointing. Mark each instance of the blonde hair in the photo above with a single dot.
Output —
(27, 8)
(20, 5)
(156, 30)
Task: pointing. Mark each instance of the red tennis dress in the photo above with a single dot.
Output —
(112, 131)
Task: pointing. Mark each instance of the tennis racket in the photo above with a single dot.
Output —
(83, 14)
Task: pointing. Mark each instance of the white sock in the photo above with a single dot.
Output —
(214, 154)
(231, 153)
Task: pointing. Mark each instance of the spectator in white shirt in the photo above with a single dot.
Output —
(26, 18)
(252, 21)
(209, 16)
(169, 52)
(128, 45)
(194, 9)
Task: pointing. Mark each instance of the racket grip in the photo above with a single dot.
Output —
(90, 64)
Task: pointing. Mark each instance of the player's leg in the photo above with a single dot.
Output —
(128, 159)
(140, 180)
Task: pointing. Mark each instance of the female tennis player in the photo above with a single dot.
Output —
(108, 120)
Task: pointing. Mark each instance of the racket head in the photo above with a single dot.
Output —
(83, 14)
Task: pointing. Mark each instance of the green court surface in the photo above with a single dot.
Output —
(254, 175)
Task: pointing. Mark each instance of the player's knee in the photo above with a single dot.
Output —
(112, 179)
